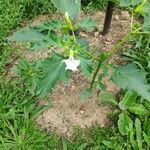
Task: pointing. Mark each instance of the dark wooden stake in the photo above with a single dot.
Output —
(108, 17)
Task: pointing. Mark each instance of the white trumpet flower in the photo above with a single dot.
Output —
(72, 64)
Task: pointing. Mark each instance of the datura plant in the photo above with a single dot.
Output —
(70, 53)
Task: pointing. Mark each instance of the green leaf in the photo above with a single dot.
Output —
(146, 25)
(140, 7)
(146, 8)
(124, 3)
(101, 84)
(51, 41)
(82, 147)
(130, 78)
(28, 35)
(87, 23)
(50, 25)
(85, 95)
(108, 98)
(83, 42)
(138, 109)
(147, 105)
(112, 145)
(41, 45)
(86, 66)
(128, 3)
(128, 100)
(147, 139)
(131, 137)
(70, 6)
(124, 123)
(54, 70)
(138, 133)
(64, 144)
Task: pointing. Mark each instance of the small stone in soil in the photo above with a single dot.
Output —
(116, 17)
(125, 15)
(96, 34)
(82, 112)
(73, 87)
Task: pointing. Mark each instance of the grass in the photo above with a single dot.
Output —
(12, 12)
(18, 130)
(94, 5)
(19, 109)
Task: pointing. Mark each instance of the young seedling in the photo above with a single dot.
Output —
(43, 75)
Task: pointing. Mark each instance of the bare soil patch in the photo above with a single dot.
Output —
(68, 112)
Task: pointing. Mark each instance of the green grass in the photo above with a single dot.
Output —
(18, 110)
(12, 12)
(94, 5)
(18, 131)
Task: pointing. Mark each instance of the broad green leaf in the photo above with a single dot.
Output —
(124, 3)
(41, 45)
(87, 23)
(128, 99)
(146, 25)
(102, 86)
(124, 123)
(140, 8)
(54, 70)
(129, 77)
(128, 3)
(86, 66)
(83, 42)
(50, 25)
(101, 83)
(51, 41)
(70, 6)
(147, 105)
(146, 8)
(138, 133)
(108, 98)
(138, 109)
(146, 139)
(28, 35)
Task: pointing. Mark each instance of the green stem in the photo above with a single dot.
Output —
(132, 16)
(113, 50)
(89, 54)
(95, 75)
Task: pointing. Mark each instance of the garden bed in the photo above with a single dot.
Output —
(68, 112)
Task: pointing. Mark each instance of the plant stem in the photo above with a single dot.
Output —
(113, 50)
(95, 75)
(89, 54)
(132, 16)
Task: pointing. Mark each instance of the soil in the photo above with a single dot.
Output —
(68, 112)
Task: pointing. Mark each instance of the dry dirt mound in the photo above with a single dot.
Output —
(68, 112)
